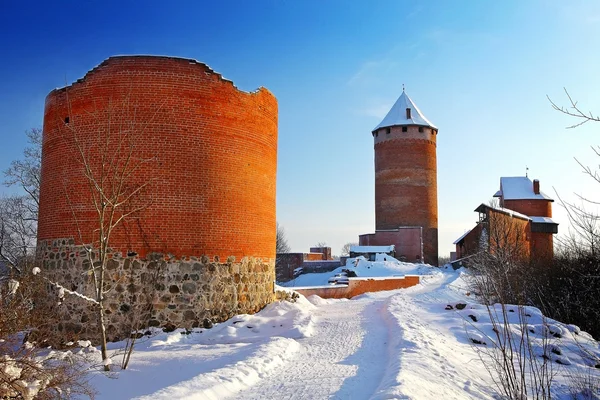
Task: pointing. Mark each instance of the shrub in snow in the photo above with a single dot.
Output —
(476, 337)
(554, 353)
(349, 273)
(27, 370)
(573, 329)
(554, 330)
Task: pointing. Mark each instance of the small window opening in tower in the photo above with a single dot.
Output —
(66, 120)
(405, 129)
(408, 113)
(388, 130)
(420, 129)
(376, 134)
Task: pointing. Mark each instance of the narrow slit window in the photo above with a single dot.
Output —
(66, 120)
(404, 129)
(408, 113)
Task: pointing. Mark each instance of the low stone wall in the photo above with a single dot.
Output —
(357, 286)
(157, 291)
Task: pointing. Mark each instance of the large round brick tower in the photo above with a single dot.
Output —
(406, 181)
(205, 154)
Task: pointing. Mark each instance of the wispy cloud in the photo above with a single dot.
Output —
(371, 71)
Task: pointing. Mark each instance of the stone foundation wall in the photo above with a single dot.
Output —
(159, 290)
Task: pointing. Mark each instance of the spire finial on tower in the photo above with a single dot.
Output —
(526, 171)
(403, 87)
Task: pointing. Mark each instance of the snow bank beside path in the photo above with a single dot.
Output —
(440, 337)
(422, 343)
(425, 359)
(227, 381)
(212, 363)
(364, 268)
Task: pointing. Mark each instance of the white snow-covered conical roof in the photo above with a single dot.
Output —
(398, 115)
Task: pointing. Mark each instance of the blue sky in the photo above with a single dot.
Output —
(479, 70)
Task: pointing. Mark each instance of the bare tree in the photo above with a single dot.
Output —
(27, 368)
(320, 244)
(18, 213)
(346, 248)
(502, 276)
(282, 245)
(140, 312)
(25, 173)
(17, 233)
(573, 294)
(574, 110)
(110, 165)
(502, 260)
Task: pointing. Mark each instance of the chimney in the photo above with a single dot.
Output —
(536, 186)
(408, 113)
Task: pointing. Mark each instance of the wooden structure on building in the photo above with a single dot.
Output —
(522, 222)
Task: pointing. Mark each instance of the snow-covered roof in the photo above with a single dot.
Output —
(519, 188)
(543, 220)
(372, 249)
(506, 211)
(462, 236)
(397, 114)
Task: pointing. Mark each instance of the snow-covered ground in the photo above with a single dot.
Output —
(405, 343)
(384, 266)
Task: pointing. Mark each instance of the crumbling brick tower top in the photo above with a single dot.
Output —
(212, 152)
(406, 174)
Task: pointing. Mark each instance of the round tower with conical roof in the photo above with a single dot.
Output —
(406, 179)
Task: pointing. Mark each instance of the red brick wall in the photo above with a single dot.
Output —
(535, 208)
(325, 251)
(358, 286)
(213, 150)
(509, 233)
(406, 185)
(286, 263)
(542, 246)
(470, 244)
(313, 256)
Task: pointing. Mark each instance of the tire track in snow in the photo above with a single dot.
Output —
(345, 358)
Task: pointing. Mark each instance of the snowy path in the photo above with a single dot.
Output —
(424, 348)
(344, 359)
(402, 344)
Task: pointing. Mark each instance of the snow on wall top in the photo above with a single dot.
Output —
(519, 188)
(372, 249)
(397, 114)
(543, 220)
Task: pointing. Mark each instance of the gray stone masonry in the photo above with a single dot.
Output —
(158, 291)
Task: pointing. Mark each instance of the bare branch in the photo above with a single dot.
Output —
(574, 111)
